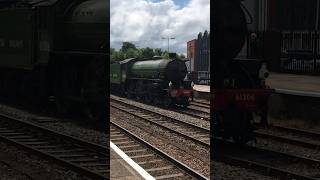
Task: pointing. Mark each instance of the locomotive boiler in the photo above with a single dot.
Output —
(54, 52)
(155, 80)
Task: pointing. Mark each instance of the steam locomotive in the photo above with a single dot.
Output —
(155, 80)
(239, 92)
(54, 52)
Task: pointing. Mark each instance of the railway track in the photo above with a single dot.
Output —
(192, 132)
(201, 101)
(296, 131)
(198, 109)
(156, 162)
(83, 157)
(291, 136)
(280, 165)
(200, 104)
(196, 113)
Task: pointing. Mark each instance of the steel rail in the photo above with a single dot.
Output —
(164, 155)
(195, 113)
(56, 146)
(287, 140)
(205, 144)
(297, 131)
(232, 153)
(202, 102)
(202, 105)
(166, 116)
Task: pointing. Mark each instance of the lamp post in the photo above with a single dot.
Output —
(168, 38)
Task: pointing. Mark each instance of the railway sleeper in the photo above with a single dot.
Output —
(129, 147)
(35, 143)
(21, 137)
(134, 151)
(87, 160)
(163, 168)
(71, 156)
(120, 138)
(137, 153)
(148, 157)
(170, 176)
(26, 140)
(116, 136)
(167, 170)
(93, 164)
(142, 163)
(66, 151)
(120, 144)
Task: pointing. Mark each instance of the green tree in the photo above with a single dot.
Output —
(131, 53)
(146, 53)
(112, 51)
(165, 54)
(117, 56)
(126, 46)
(129, 50)
(157, 52)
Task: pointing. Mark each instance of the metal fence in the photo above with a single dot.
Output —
(299, 51)
(200, 77)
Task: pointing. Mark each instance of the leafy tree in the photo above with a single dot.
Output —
(146, 53)
(129, 50)
(165, 55)
(126, 46)
(131, 53)
(158, 52)
(117, 56)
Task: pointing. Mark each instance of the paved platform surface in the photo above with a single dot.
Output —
(201, 88)
(120, 170)
(302, 85)
(296, 84)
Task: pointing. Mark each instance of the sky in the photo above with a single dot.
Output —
(145, 22)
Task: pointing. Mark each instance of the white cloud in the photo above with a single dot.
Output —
(144, 22)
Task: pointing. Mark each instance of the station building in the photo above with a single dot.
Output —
(198, 52)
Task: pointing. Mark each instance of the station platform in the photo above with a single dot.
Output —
(201, 88)
(300, 85)
(201, 91)
(120, 169)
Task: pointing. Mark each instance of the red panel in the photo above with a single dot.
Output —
(181, 92)
(242, 98)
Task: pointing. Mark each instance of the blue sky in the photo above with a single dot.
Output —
(180, 3)
(145, 22)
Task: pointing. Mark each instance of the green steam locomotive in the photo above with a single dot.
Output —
(155, 80)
